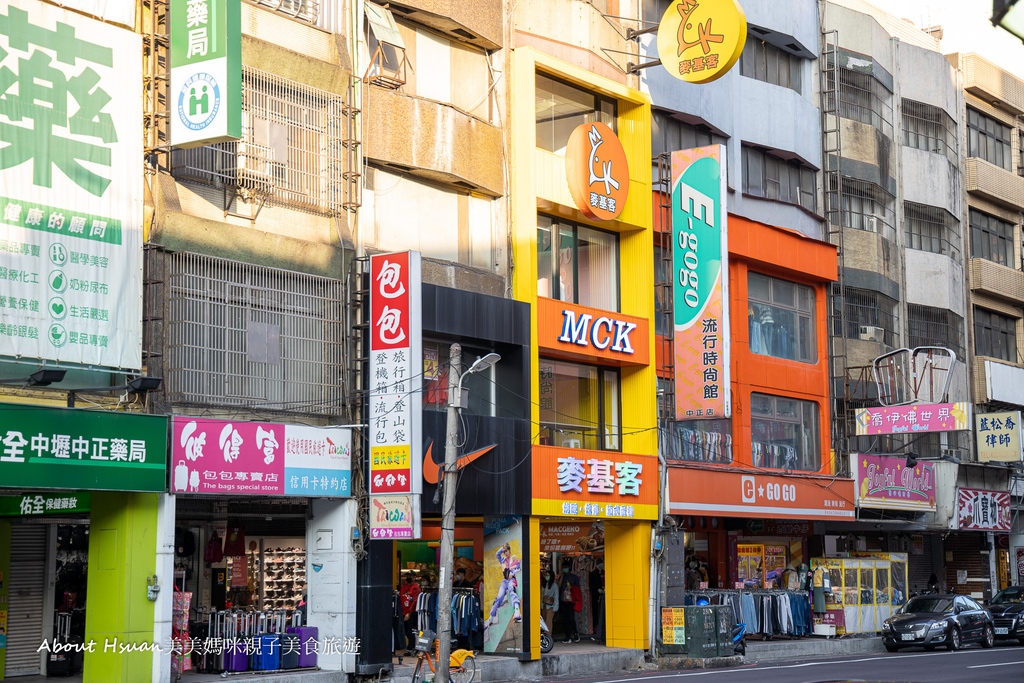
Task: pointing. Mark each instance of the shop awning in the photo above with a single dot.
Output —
(693, 491)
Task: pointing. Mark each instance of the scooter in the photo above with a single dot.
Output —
(739, 639)
(546, 641)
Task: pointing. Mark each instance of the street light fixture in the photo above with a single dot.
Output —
(450, 482)
(1009, 15)
(913, 458)
(43, 377)
(139, 385)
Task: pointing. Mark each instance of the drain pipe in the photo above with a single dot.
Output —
(654, 601)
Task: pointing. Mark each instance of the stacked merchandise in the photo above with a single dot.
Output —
(284, 578)
(253, 641)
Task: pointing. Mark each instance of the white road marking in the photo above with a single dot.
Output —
(982, 666)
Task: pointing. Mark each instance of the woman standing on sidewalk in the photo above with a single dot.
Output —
(548, 598)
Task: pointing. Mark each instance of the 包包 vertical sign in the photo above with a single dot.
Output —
(396, 374)
(205, 99)
(71, 194)
(700, 262)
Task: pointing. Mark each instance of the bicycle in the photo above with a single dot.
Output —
(461, 663)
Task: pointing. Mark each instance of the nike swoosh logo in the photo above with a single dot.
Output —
(431, 468)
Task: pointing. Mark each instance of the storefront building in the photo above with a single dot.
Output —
(80, 537)
(582, 232)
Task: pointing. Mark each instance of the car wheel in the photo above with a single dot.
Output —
(892, 648)
(989, 637)
(953, 639)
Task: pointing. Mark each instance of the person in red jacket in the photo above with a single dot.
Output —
(408, 595)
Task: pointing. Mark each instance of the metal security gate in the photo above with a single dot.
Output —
(25, 611)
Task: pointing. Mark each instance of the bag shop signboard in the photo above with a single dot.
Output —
(569, 482)
(260, 458)
(89, 450)
(888, 484)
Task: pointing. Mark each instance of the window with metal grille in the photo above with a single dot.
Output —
(929, 128)
(929, 326)
(863, 98)
(988, 139)
(303, 10)
(870, 316)
(240, 334)
(766, 62)
(866, 206)
(930, 228)
(995, 335)
(291, 147)
(768, 176)
(991, 238)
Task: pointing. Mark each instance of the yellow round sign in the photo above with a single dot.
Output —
(699, 40)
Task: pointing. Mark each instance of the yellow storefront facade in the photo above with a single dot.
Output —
(582, 232)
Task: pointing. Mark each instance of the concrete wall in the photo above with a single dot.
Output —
(332, 587)
(935, 280)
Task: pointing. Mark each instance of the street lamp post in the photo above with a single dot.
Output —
(449, 481)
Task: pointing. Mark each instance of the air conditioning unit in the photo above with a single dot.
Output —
(250, 166)
(872, 333)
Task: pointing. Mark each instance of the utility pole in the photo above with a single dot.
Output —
(448, 481)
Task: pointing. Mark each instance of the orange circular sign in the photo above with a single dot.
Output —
(597, 171)
(700, 40)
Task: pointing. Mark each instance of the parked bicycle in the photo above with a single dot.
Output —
(461, 663)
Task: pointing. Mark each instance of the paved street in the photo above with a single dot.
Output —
(1002, 663)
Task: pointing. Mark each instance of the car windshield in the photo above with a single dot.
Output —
(929, 604)
(1015, 594)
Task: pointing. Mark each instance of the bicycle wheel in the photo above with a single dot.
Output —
(416, 676)
(465, 673)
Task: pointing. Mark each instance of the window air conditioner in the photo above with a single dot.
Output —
(251, 166)
(872, 333)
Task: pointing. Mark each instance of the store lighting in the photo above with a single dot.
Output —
(139, 385)
(40, 378)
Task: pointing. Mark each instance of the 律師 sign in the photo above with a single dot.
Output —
(700, 274)
(921, 417)
(205, 98)
(700, 40)
(597, 171)
(260, 458)
(998, 436)
(569, 482)
(88, 450)
(32, 504)
(71, 194)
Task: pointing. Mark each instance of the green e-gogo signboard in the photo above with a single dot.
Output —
(206, 72)
(57, 448)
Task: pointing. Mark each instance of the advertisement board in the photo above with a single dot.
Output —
(998, 436)
(699, 42)
(260, 458)
(391, 517)
(983, 510)
(597, 171)
(700, 267)
(570, 482)
(888, 484)
(914, 419)
(71, 194)
(503, 584)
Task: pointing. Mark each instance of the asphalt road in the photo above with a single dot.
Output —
(1001, 663)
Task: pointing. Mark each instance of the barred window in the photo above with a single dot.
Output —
(863, 98)
(930, 228)
(929, 128)
(765, 62)
(929, 326)
(303, 10)
(768, 176)
(291, 147)
(988, 139)
(670, 134)
(995, 335)
(866, 206)
(240, 334)
(870, 316)
(991, 238)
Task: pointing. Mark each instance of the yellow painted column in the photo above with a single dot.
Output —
(122, 553)
(533, 529)
(626, 582)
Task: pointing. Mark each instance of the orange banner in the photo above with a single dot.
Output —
(736, 494)
(573, 482)
(581, 332)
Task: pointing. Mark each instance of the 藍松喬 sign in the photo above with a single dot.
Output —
(89, 450)
(71, 194)
(260, 458)
(998, 436)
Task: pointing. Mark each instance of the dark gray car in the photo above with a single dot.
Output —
(1007, 608)
(931, 620)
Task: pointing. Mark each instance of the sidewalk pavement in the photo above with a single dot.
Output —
(811, 647)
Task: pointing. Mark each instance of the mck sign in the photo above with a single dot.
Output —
(601, 333)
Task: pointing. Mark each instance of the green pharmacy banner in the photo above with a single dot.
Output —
(700, 267)
(70, 188)
(87, 450)
(35, 504)
(206, 72)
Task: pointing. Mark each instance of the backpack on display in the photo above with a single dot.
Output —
(234, 543)
(184, 542)
(214, 550)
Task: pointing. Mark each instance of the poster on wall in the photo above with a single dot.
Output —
(998, 436)
(260, 458)
(71, 194)
(700, 267)
(503, 584)
(983, 510)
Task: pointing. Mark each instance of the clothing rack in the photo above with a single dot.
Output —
(774, 456)
(768, 611)
(704, 446)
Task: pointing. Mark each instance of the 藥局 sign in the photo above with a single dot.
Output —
(888, 484)
(923, 417)
(260, 458)
(983, 510)
(205, 99)
(89, 450)
(998, 436)
(70, 188)
(700, 267)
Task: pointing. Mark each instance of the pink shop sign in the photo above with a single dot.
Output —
(888, 484)
(913, 419)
